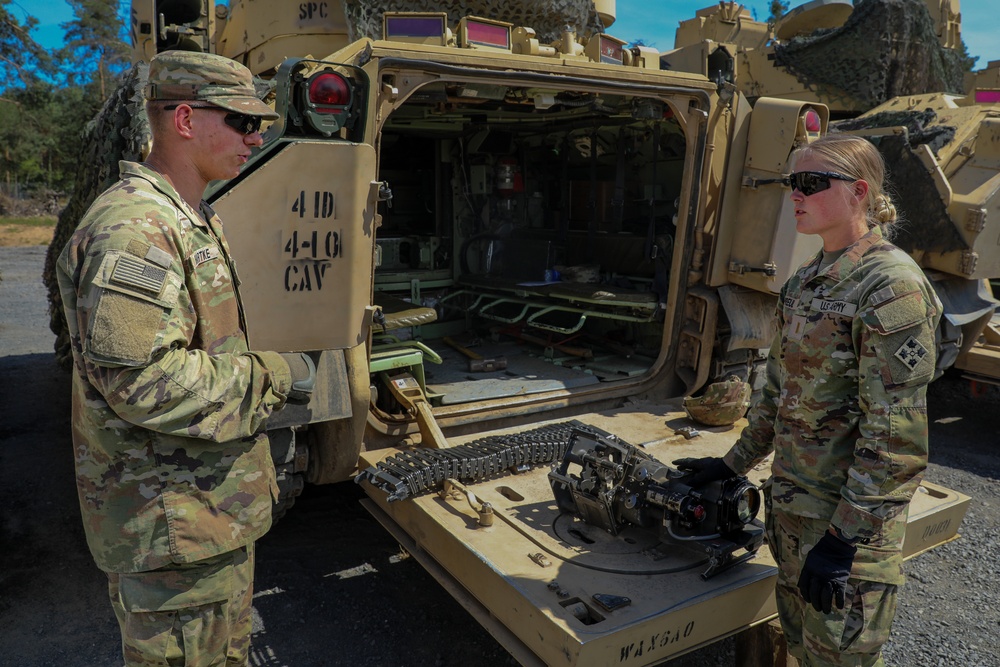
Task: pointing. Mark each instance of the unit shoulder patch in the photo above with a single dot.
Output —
(902, 336)
(910, 352)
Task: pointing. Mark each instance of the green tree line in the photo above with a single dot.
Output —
(48, 97)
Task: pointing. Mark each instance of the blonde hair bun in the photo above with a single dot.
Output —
(883, 210)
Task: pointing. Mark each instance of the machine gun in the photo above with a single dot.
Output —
(609, 483)
(601, 479)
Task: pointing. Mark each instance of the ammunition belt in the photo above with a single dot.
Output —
(411, 472)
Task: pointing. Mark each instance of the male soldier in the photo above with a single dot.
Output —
(173, 465)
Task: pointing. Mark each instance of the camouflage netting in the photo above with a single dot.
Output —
(887, 48)
(118, 132)
(924, 222)
(547, 17)
(920, 127)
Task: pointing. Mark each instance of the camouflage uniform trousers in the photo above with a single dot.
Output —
(848, 637)
(190, 614)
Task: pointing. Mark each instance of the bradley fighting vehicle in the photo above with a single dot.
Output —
(512, 244)
(889, 71)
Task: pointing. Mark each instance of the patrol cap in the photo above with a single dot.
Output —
(190, 76)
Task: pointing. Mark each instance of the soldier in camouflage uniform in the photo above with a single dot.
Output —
(173, 467)
(843, 410)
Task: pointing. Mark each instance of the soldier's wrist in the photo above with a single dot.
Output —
(852, 540)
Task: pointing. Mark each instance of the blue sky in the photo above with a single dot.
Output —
(653, 21)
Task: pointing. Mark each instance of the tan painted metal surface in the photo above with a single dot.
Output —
(306, 236)
(536, 571)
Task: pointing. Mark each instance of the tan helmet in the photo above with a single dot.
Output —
(721, 404)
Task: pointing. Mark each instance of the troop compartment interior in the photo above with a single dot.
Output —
(528, 241)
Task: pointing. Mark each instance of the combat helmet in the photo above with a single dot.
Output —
(721, 404)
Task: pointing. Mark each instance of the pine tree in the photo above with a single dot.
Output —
(21, 58)
(94, 44)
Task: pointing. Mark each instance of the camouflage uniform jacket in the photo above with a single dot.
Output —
(172, 462)
(844, 407)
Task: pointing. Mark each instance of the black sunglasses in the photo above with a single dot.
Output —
(811, 182)
(241, 122)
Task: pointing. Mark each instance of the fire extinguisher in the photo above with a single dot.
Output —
(508, 177)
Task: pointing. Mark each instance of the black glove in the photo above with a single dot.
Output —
(703, 471)
(825, 573)
(303, 376)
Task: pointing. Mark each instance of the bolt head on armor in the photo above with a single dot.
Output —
(721, 404)
(191, 76)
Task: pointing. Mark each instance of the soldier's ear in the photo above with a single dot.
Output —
(183, 121)
(860, 189)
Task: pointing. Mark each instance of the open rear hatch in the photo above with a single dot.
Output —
(527, 245)
(534, 262)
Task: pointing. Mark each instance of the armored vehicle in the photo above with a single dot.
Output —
(899, 82)
(512, 243)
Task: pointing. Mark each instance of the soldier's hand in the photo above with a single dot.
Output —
(704, 470)
(823, 580)
(303, 376)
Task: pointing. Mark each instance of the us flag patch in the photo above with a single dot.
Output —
(135, 273)
(910, 352)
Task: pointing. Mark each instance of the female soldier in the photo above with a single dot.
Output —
(843, 410)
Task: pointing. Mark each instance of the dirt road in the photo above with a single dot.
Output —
(332, 588)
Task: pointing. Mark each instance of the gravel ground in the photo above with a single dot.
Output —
(332, 586)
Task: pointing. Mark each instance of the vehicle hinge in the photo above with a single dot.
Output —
(969, 260)
(975, 219)
(408, 392)
(770, 269)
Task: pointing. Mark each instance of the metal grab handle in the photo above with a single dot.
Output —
(397, 344)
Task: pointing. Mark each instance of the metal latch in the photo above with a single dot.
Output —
(453, 488)
(754, 183)
(382, 192)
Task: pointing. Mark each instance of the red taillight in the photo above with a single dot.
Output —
(325, 100)
(813, 122)
(329, 89)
